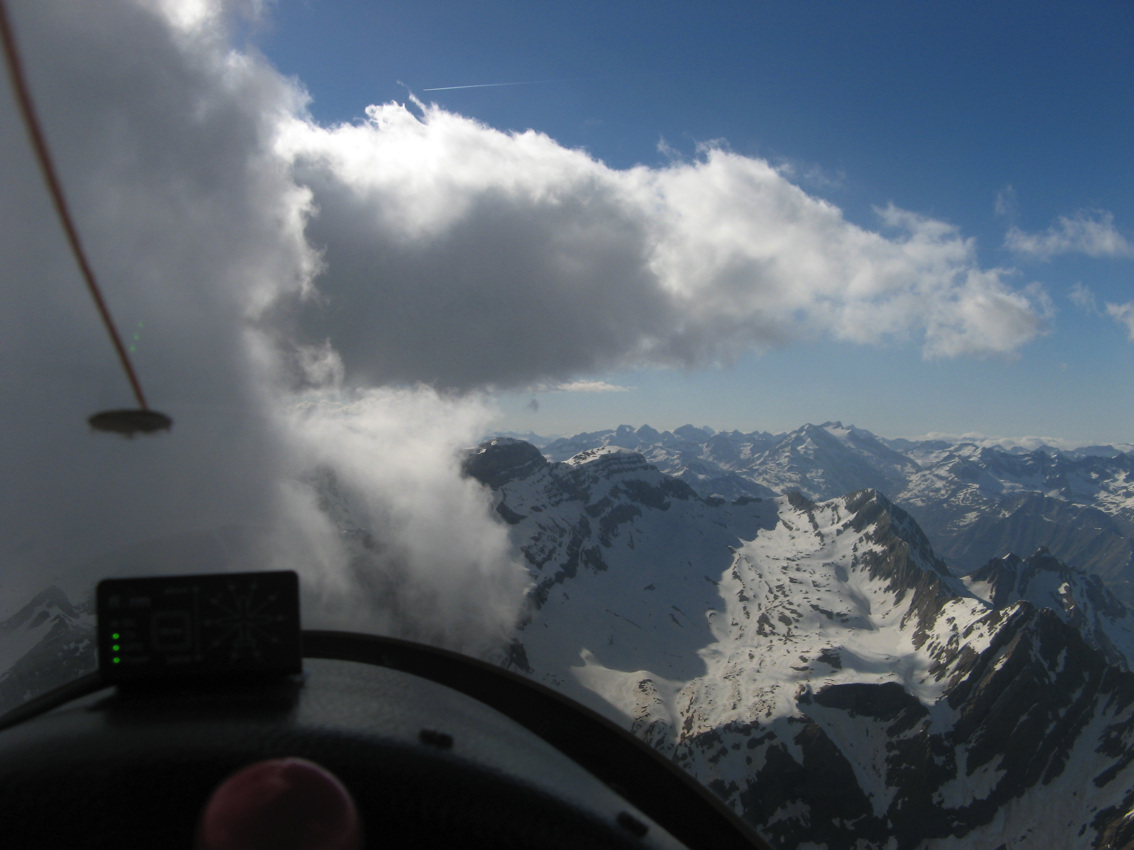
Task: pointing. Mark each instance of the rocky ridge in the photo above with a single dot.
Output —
(975, 502)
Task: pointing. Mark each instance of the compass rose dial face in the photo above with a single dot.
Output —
(244, 618)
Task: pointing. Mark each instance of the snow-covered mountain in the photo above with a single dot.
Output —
(819, 461)
(47, 643)
(975, 502)
(1077, 598)
(818, 665)
(709, 462)
(978, 503)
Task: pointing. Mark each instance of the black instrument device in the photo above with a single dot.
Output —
(176, 628)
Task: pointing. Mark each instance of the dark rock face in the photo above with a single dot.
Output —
(985, 504)
(824, 778)
(1023, 712)
(887, 701)
(496, 463)
(903, 558)
(1078, 598)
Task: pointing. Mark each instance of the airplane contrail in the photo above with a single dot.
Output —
(492, 85)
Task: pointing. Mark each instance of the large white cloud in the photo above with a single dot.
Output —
(162, 138)
(1124, 315)
(464, 256)
(258, 256)
(165, 138)
(1090, 232)
(403, 543)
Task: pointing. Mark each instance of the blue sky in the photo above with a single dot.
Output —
(989, 117)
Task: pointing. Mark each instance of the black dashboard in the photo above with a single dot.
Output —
(436, 748)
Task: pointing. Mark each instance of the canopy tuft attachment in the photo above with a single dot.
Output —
(130, 422)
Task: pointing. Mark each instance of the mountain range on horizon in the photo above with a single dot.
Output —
(689, 431)
(974, 500)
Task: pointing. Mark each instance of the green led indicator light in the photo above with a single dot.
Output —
(117, 660)
(116, 647)
(114, 636)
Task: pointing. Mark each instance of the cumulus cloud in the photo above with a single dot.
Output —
(464, 256)
(322, 304)
(1082, 297)
(406, 547)
(193, 227)
(809, 174)
(1124, 315)
(1006, 203)
(196, 228)
(585, 387)
(1090, 232)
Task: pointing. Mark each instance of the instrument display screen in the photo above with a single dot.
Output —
(217, 625)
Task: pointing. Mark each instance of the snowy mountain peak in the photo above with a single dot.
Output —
(501, 460)
(46, 643)
(616, 457)
(48, 603)
(1076, 597)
